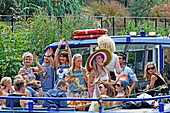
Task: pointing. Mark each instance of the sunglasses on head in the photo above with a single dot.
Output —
(100, 87)
(151, 68)
(118, 85)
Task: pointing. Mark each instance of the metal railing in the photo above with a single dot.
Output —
(31, 108)
(112, 23)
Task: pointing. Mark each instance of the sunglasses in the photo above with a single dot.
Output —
(100, 87)
(47, 56)
(118, 85)
(151, 68)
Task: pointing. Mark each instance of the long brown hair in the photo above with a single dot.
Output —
(110, 89)
(64, 54)
(95, 68)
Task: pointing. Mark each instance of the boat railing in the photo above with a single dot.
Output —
(99, 100)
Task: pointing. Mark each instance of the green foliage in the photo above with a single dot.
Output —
(148, 26)
(9, 51)
(71, 23)
(53, 7)
(32, 35)
(142, 8)
(164, 1)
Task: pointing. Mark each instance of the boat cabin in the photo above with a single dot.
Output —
(138, 50)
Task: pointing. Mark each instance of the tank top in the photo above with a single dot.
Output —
(77, 81)
(30, 74)
(103, 78)
(61, 72)
(159, 81)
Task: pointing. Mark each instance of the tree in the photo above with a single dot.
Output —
(34, 34)
(142, 8)
(53, 7)
(106, 9)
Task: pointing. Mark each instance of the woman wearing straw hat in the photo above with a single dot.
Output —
(95, 65)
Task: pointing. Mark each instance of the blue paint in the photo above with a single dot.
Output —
(161, 107)
(128, 39)
(30, 106)
(161, 58)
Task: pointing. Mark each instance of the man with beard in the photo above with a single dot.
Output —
(47, 77)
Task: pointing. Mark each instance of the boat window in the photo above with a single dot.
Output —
(166, 57)
(85, 52)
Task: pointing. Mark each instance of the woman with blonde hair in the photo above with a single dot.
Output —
(77, 78)
(6, 85)
(151, 74)
(27, 70)
(107, 42)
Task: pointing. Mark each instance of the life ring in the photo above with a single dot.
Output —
(87, 37)
(90, 32)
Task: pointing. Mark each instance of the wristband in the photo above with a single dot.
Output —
(40, 87)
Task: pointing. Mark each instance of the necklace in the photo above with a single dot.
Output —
(29, 71)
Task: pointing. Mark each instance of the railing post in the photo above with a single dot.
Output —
(100, 106)
(161, 107)
(11, 103)
(30, 106)
(101, 20)
(135, 22)
(165, 22)
(113, 19)
(12, 23)
(125, 23)
(156, 22)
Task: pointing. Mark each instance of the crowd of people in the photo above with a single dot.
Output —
(105, 75)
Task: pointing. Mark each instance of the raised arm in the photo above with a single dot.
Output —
(50, 53)
(56, 60)
(69, 53)
(40, 68)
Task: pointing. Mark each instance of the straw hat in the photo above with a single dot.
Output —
(104, 53)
